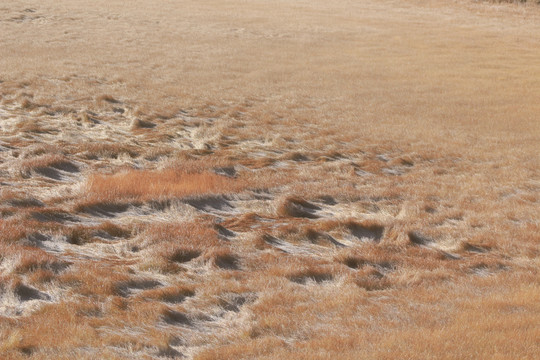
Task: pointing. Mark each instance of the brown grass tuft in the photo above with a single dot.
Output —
(13, 230)
(310, 274)
(94, 151)
(148, 185)
(196, 234)
(297, 207)
(34, 259)
(222, 258)
(371, 279)
(171, 294)
(107, 98)
(138, 124)
(42, 164)
(183, 255)
(367, 229)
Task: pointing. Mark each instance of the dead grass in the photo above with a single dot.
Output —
(14, 230)
(297, 207)
(93, 151)
(107, 98)
(80, 235)
(19, 200)
(142, 185)
(222, 258)
(41, 165)
(33, 260)
(182, 255)
(198, 233)
(272, 180)
(173, 294)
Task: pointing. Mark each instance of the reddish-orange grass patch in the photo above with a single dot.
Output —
(146, 185)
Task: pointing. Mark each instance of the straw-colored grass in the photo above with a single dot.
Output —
(142, 185)
(231, 179)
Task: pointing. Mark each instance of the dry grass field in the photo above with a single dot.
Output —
(302, 179)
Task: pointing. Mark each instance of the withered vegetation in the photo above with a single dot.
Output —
(269, 179)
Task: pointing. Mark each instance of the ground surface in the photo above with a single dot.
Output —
(269, 179)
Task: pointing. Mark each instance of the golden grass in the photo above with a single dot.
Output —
(143, 185)
(32, 260)
(172, 294)
(13, 230)
(94, 151)
(271, 180)
(42, 163)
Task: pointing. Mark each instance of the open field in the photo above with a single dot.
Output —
(269, 179)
